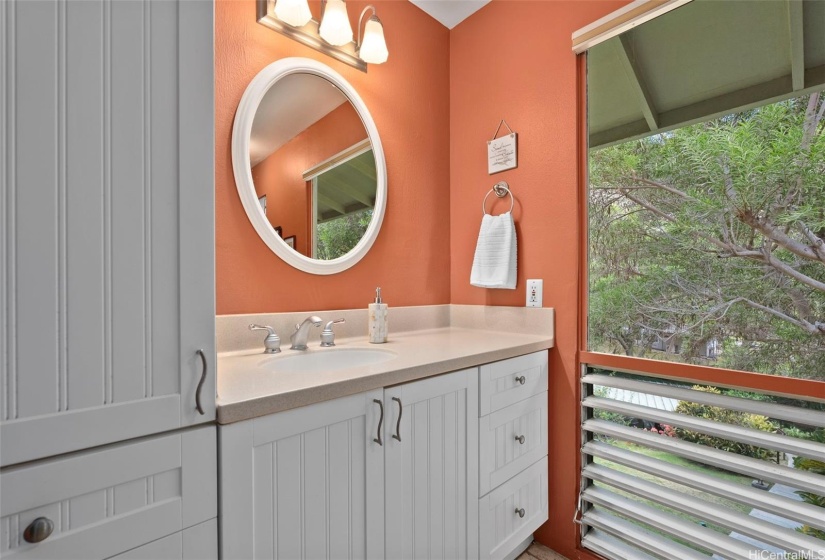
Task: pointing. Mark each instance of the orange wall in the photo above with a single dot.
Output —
(512, 60)
(408, 98)
(280, 176)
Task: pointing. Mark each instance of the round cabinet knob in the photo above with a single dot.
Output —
(520, 512)
(520, 439)
(38, 530)
(521, 379)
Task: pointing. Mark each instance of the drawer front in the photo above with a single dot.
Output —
(501, 527)
(502, 455)
(195, 543)
(109, 500)
(510, 381)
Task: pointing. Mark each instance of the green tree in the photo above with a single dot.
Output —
(337, 237)
(715, 232)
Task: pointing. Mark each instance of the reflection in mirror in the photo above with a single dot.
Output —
(311, 158)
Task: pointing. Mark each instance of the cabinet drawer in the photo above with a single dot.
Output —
(501, 527)
(509, 381)
(109, 500)
(195, 543)
(501, 455)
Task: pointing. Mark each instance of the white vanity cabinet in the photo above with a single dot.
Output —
(106, 192)
(411, 471)
(332, 480)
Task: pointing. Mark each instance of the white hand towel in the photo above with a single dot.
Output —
(494, 265)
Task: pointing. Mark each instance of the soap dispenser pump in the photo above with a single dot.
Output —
(378, 319)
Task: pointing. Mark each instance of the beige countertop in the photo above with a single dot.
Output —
(247, 390)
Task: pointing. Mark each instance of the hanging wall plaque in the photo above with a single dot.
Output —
(502, 152)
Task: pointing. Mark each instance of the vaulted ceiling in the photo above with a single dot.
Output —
(703, 60)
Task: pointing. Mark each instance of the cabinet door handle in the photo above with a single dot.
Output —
(200, 353)
(520, 512)
(521, 379)
(38, 530)
(520, 439)
(380, 404)
(397, 434)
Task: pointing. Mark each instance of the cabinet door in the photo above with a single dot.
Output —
(106, 193)
(196, 543)
(305, 483)
(431, 472)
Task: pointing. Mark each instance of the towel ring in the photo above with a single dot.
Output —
(501, 189)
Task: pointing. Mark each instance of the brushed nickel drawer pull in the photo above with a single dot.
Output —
(38, 530)
(521, 379)
(200, 353)
(380, 404)
(397, 434)
(520, 512)
(520, 439)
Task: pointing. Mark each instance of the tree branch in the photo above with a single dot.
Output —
(772, 232)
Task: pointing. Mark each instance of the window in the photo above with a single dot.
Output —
(705, 267)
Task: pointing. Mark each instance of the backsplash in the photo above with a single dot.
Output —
(233, 332)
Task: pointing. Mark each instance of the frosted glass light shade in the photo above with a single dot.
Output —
(374, 47)
(335, 28)
(294, 12)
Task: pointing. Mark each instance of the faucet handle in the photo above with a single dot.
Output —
(272, 342)
(328, 335)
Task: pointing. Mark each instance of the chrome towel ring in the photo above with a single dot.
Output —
(501, 189)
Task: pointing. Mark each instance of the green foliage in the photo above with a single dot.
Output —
(817, 467)
(725, 416)
(337, 237)
(708, 233)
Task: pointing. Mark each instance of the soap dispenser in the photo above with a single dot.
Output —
(378, 319)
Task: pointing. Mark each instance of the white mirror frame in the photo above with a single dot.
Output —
(241, 133)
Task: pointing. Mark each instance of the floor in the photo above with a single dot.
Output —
(540, 552)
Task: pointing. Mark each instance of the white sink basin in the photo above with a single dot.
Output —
(323, 359)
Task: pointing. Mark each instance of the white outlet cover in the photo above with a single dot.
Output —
(535, 289)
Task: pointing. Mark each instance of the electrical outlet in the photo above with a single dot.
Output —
(534, 292)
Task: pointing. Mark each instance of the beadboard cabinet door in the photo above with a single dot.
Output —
(305, 483)
(431, 467)
(106, 218)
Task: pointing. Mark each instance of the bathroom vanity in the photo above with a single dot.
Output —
(437, 450)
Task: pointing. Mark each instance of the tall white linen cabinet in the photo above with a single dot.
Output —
(107, 350)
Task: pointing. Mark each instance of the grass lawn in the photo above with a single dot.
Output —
(676, 460)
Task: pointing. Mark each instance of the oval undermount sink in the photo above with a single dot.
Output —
(325, 359)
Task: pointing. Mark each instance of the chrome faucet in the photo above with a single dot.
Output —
(301, 335)
(272, 343)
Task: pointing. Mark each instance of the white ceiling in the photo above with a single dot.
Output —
(291, 106)
(450, 12)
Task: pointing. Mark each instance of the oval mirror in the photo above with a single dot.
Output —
(309, 166)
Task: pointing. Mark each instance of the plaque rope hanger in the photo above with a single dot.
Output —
(502, 122)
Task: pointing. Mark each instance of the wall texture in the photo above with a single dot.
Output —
(409, 100)
(512, 60)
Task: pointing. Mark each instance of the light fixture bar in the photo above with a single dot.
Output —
(307, 35)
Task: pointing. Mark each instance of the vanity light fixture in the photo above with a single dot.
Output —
(294, 12)
(335, 28)
(372, 48)
(333, 36)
